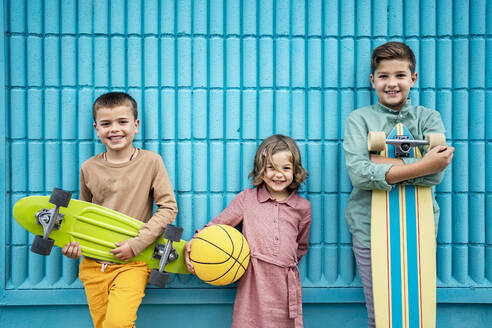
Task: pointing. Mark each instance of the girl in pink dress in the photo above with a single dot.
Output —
(275, 221)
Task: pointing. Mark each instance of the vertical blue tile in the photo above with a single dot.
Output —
(266, 59)
(298, 16)
(444, 18)
(117, 17)
(380, 18)
(330, 118)
(84, 118)
(134, 62)
(233, 17)
(445, 229)
(477, 63)
(395, 18)
(51, 61)
(444, 263)
(34, 118)
(331, 18)
(265, 114)
(68, 114)
(216, 17)
(216, 165)
(266, 14)
(282, 62)
(477, 167)
(428, 10)
(151, 61)
(363, 14)
(477, 218)
(84, 61)
(444, 105)
(84, 18)
(299, 113)
(233, 163)
(17, 16)
(249, 17)
(33, 15)
(35, 167)
(347, 24)
(216, 115)
(168, 62)
(461, 14)
(34, 62)
(134, 17)
(314, 183)
(460, 257)
(184, 167)
(200, 168)
(199, 62)
(477, 121)
(282, 17)
(233, 114)
(52, 165)
(330, 211)
(249, 56)
(460, 167)
(101, 62)
(68, 61)
(314, 14)
(184, 114)
(428, 98)
(184, 62)
(101, 14)
(17, 69)
(298, 54)
(18, 114)
(232, 63)
(330, 63)
(315, 120)
(283, 114)
(52, 114)
(217, 63)
(362, 64)
(69, 168)
(444, 63)
(249, 152)
(460, 114)
(118, 61)
(200, 116)
(248, 112)
(150, 112)
(68, 15)
(347, 54)
(150, 12)
(428, 64)
(18, 161)
(314, 63)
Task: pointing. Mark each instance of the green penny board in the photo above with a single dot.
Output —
(96, 229)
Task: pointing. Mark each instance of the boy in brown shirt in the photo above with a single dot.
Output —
(128, 180)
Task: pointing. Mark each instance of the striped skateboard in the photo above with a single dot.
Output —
(403, 248)
(59, 220)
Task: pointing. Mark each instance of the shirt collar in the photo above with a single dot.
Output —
(263, 195)
(403, 111)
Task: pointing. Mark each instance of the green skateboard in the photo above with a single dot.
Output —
(60, 220)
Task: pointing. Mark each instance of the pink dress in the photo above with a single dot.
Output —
(269, 294)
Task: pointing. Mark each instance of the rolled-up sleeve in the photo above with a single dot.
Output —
(363, 173)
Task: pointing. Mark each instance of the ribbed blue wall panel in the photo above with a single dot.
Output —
(212, 79)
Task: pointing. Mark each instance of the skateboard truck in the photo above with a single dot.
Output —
(50, 219)
(376, 141)
(166, 253)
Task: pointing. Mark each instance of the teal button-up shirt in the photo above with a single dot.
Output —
(365, 175)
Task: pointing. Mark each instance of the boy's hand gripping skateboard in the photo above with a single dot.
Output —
(403, 255)
(60, 220)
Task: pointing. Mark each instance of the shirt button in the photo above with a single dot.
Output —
(372, 178)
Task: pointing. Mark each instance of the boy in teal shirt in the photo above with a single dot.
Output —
(393, 75)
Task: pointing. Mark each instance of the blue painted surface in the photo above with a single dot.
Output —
(212, 79)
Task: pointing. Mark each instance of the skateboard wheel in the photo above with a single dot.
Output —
(158, 278)
(435, 139)
(42, 246)
(60, 197)
(173, 233)
(376, 141)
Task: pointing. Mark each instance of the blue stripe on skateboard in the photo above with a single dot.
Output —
(395, 249)
(396, 292)
(412, 259)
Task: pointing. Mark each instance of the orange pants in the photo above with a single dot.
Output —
(114, 292)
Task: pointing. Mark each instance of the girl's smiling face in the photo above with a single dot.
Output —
(279, 174)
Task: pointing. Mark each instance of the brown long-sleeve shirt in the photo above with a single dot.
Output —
(131, 188)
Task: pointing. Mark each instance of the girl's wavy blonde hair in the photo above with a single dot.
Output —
(267, 149)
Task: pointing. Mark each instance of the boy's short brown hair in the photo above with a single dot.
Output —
(113, 99)
(392, 50)
(267, 149)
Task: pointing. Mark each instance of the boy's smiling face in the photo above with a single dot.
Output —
(392, 81)
(116, 128)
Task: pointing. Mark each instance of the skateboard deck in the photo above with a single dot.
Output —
(96, 229)
(403, 251)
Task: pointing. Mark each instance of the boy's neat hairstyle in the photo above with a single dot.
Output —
(392, 50)
(114, 99)
(267, 149)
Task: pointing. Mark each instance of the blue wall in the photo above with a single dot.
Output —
(212, 79)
